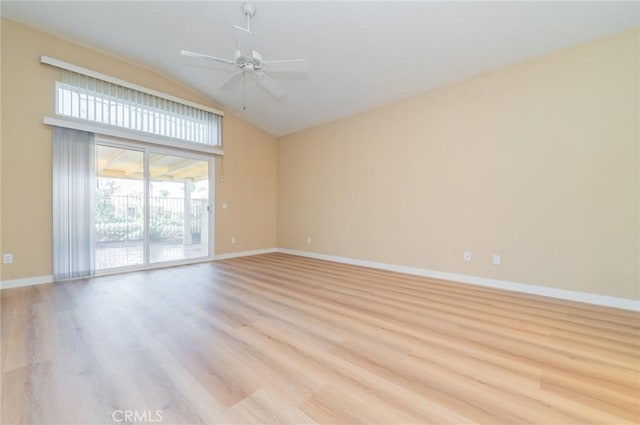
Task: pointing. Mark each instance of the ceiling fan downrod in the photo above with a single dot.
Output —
(249, 11)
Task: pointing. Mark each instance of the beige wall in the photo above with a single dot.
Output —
(250, 181)
(537, 162)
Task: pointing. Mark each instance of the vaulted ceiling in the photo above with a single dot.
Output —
(360, 55)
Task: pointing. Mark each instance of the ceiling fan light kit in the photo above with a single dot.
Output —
(250, 63)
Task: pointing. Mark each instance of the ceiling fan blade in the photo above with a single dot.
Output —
(244, 41)
(231, 82)
(207, 57)
(269, 85)
(290, 65)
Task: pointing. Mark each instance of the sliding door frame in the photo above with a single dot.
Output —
(147, 150)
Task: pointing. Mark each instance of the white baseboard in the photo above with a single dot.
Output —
(38, 280)
(585, 297)
(27, 281)
(245, 253)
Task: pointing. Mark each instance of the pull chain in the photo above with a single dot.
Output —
(244, 90)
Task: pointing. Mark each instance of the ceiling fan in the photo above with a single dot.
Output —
(250, 62)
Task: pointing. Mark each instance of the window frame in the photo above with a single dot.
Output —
(125, 132)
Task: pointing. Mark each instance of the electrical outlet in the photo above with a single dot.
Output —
(7, 258)
(308, 240)
(496, 259)
(233, 240)
(467, 256)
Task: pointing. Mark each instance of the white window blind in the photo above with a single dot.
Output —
(88, 98)
(73, 209)
(90, 101)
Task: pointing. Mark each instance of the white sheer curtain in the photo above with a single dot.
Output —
(73, 189)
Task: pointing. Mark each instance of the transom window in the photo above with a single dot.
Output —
(86, 98)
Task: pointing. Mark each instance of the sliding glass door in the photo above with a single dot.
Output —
(119, 208)
(150, 207)
(178, 208)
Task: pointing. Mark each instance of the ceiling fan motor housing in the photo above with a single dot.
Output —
(254, 63)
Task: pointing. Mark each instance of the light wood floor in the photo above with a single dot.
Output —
(283, 339)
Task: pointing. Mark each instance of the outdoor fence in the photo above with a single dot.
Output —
(121, 218)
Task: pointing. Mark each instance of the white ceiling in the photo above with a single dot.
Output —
(360, 55)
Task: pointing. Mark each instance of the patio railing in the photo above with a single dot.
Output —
(120, 218)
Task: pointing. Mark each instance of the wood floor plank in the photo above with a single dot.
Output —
(516, 343)
(277, 338)
(264, 406)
